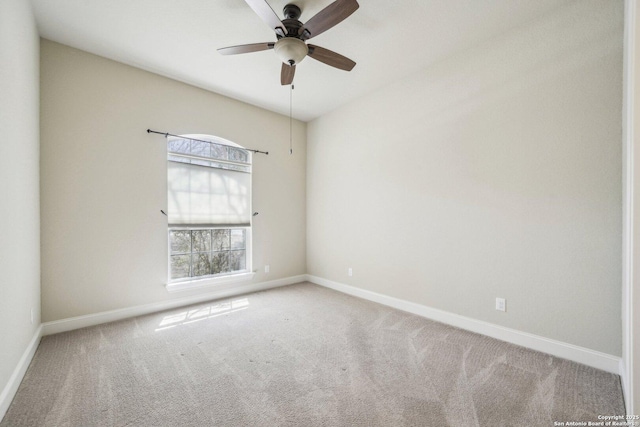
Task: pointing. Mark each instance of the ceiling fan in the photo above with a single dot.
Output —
(292, 35)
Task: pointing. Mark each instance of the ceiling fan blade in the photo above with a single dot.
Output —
(245, 48)
(264, 11)
(330, 58)
(331, 15)
(286, 74)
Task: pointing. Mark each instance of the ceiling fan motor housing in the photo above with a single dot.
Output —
(291, 49)
(291, 11)
(293, 25)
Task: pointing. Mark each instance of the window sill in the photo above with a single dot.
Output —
(209, 282)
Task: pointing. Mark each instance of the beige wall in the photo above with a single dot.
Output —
(104, 242)
(495, 173)
(19, 191)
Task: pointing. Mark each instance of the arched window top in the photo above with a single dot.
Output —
(211, 138)
(208, 150)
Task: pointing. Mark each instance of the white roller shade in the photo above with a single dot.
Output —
(207, 196)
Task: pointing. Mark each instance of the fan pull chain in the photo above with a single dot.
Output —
(291, 120)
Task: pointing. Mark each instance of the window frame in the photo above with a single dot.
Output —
(248, 273)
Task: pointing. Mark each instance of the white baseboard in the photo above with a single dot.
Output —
(595, 359)
(626, 392)
(78, 322)
(11, 388)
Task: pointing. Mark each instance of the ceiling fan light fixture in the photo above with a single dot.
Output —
(292, 35)
(291, 50)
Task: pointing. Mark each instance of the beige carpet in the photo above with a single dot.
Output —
(300, 355)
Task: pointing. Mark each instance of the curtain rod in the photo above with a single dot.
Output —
(167, 134)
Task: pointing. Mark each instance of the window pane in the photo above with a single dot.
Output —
(201, 240)
(238, 155)
(180, 241)
(220, 240)
(199, 148)
(178, 146)
(237, 261)
(220, 262)
(201, 264)
(237, 239)
(180, 266)
(219, 152)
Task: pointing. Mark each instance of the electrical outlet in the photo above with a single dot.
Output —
(501, 304)
(350, 271)
(32, 315)
(266, 268)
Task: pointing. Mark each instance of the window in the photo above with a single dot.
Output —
(204, 252)
(209, 208)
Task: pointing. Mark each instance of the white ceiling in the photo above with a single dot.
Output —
(178, 39)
